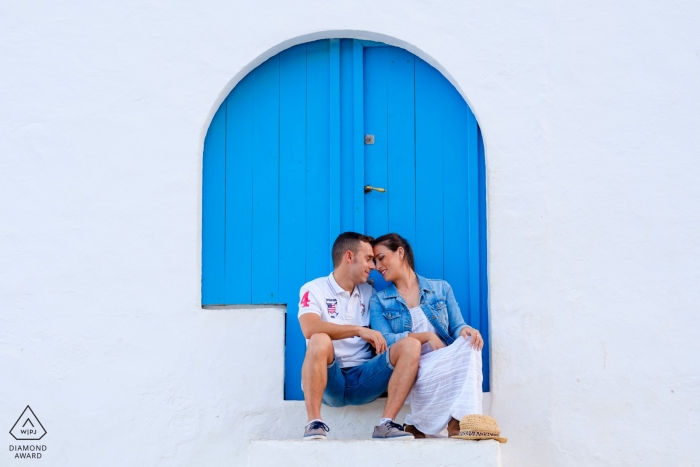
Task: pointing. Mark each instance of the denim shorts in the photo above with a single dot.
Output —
(359, 384)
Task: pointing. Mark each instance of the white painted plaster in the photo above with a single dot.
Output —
(416, 453)
(590, 113)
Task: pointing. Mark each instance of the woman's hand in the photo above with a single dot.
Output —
(435, 342)
(477, 340)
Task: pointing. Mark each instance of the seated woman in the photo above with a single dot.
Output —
(448, 385)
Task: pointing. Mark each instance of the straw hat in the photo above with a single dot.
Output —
(479, 427)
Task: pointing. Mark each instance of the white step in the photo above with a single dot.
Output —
(368, 452)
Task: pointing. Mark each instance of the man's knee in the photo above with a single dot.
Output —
(407, 348)
(319, 345)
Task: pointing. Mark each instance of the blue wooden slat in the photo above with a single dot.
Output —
(358, 135)
(456, 116)
(347, 187)
(375, 106)
(317, 160)
(471, 130)
(239, 191)
(429, 172)
(334, 135)
(265, 243)
(401, 196)
(292, 260)
(376, 74)
(365, 43)
(483, 278)
(214, 210)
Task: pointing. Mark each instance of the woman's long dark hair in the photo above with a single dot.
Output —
(393, 241)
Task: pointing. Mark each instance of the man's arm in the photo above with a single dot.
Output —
(311, 324)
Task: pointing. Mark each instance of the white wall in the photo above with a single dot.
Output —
(590, 113)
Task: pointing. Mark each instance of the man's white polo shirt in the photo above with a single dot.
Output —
(324, 297)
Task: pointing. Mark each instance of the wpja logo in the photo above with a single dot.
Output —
(28, 428)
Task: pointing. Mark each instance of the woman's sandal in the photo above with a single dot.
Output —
(414, 431)
(453, 427)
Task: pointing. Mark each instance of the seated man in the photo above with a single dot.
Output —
(339, 367)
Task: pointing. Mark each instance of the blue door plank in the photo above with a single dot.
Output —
(214, 209)
(292, 228)
(368, 44)
(358, 135)
(429, 172)
(473, 216)
(265, 280)
(455, 150)
(483, 277)
(317, 160)
(346, 107)
(401, 184)
(375, 105)
(334, 136)
(239, 191)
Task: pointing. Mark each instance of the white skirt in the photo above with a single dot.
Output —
(448, 386)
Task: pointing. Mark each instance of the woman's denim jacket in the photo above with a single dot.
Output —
(390, 316)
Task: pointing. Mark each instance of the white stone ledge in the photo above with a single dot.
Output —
(354, 453)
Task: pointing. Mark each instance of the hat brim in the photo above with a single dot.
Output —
(477, 438)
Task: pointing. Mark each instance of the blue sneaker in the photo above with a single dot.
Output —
(316, 429)
(391, 430)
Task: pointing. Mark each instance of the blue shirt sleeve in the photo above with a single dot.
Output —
(456, 321)
(378, 322)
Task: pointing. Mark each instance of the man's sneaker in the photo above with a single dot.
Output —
(390, 430)
(316, 430)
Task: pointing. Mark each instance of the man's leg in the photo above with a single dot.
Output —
(314, 373)
(404, 356)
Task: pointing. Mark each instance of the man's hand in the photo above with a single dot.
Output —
(435, 342)
(477, 340)
(374, 338)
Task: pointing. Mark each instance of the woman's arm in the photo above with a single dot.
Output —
(423, 337)
(378, 322)
(456, 322)
(457, 325)
(429, 338)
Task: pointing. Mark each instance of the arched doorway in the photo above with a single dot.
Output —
(290, 160)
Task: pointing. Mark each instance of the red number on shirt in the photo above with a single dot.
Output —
(305, 300)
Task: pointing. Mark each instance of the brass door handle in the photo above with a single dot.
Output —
(369, 188)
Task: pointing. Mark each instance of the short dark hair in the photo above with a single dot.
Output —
(347, 241)
(393, 241)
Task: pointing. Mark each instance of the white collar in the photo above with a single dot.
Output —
(338, 289)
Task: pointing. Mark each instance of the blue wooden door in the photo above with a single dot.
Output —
(285, 167)
(428, 155)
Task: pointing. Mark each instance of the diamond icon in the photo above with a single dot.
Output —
(28, 427)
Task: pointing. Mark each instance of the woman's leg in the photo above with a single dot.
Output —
(470, 397)
(448, 386)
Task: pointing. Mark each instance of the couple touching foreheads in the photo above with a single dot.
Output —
(408, 340)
